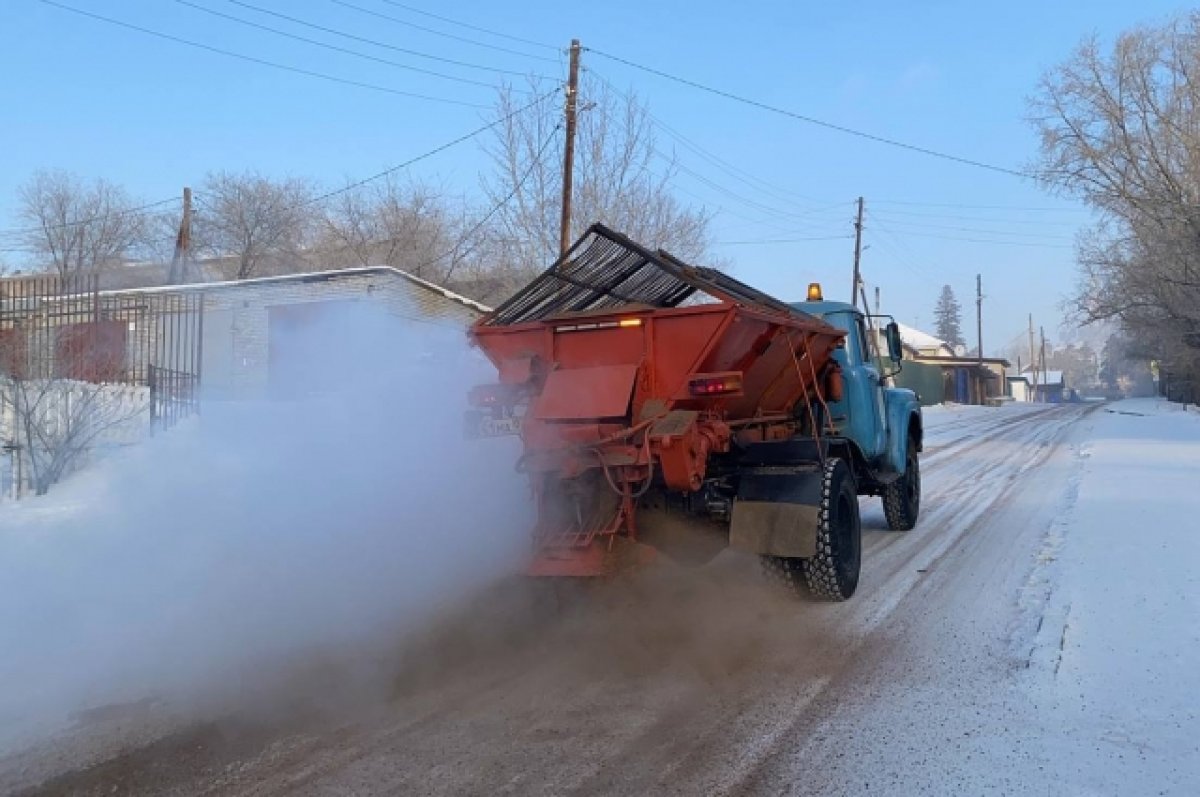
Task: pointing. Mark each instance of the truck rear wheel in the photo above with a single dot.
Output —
(832, 574)
(902, 498)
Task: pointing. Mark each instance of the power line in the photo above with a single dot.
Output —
(321, 197)
(984, 219)
(537, 160)
(900, 251)
(444, 34)
(333, 47)
(90, 219)
(741, 175)
(812, 120)
(980, 230)
(430, 153)
(470, 26)
(1035, 244)
(770, 210)
(374, 42)
(977, 207)
(256, 60)
(785, 240)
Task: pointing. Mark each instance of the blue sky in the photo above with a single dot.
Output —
(156, 115)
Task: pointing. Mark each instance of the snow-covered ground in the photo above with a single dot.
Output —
(1117, 675)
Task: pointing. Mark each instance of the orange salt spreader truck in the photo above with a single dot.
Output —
(666, 407)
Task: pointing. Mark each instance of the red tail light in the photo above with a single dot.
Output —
(728, 384)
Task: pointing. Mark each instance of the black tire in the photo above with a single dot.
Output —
(902, 498)
(786, 573)
(832, 574)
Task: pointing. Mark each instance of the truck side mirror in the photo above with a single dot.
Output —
(895, 347)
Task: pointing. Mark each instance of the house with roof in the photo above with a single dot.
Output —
(939, 374)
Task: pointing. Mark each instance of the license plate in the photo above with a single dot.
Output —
(495, 427)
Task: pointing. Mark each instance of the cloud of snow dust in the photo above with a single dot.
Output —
(260, 533)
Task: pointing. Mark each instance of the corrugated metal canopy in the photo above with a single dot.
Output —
(605, 269)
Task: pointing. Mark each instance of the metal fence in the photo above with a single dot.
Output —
(56, 327)
(133, 356)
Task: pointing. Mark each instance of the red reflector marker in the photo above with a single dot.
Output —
(715, 385)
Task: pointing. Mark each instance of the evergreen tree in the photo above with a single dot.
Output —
(948, 317)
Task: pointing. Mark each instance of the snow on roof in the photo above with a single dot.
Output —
(1044, 377)
(921, 340)
(310, 276)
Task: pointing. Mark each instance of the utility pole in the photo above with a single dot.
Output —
(1043, 363)
(979, 313)
(1032, 354)
(858, 228)
(183, 243)
(564, 241)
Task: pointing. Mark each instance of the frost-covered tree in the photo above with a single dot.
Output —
(948, 318)
(1119, 125)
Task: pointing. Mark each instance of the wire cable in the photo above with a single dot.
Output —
(785, 240)
(256, 60)
(741, 175)
(430, 153)
(537, 160)
(373, 42)
(91, 219)
(469, 26)
(442, 33)
(810, 119)
(334, 47)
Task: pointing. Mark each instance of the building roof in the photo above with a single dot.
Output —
(312, 276)
(1045, 378)
(917, 339)
(944, 360)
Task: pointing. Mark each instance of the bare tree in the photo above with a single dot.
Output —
(61, 394)
(1120, 129)
(75, 226)
(262, 225)
(621, 179)
(410, 226)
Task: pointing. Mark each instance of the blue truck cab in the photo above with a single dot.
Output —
(800, 514)
(877, 427)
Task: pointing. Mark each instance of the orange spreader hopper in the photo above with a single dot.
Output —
(632, 378)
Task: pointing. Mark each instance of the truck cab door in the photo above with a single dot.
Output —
(861, 414)
(874, 442)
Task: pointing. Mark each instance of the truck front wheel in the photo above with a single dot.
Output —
(902, 498)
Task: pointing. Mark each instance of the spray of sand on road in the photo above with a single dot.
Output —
(266, 541)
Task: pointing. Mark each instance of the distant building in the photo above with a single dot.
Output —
(1047, 386)
(1020, 386)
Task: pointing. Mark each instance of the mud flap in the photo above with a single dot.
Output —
(776, 514)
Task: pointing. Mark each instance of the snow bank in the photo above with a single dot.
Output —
(198, 564)
(1124, 647)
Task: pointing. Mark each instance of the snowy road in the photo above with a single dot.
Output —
(1037, 633)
